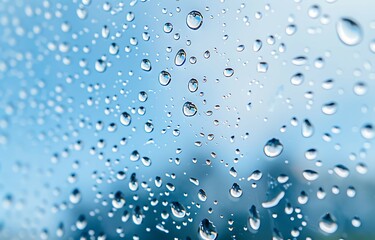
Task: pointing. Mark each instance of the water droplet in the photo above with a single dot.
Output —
(297, 79)
(307, 128)
(367, 131)
(194, 20)
(125, 119)
(356, 222)
(257, 45)
(273, 148)
(193, 85)
(262, 67)
(349, 32)
(256, 175)
(235, 191)
(118, 201)
(314, 11)
(360, 88)
(310, 175)
(189, 109)
(299, 61)
(328, 224)
(254, 219)
(180, 57)
(100, 65)
(164, 78)
(341, 171)
(202, 195)
(75, 196)
(207, 230)
(372, 45)
(168, 27)
(149, 127)
(178, 210)
(240, 48)
(228, 72)
(275, 201)
(146, 65)
(291, 29)
(113, 48)
(137, 216)
(142, 96)
(130, 16)
(329, 108)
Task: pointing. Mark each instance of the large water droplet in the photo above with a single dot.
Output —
(100, 65)
(125, 119)
(75, 196)
(297, 79)
(193, 85)
(329, 108)
(189, 109)
(328, 224)
(274, 201)
(118, 201)
(194, 20)
(178, 210)
(228, 72)
(262, 67)
(254, 219)
(164, 78)
(307, 128)
(349, 32)
(367, 131)
(273, 148)
(310, 175)
(257, 45)
(341, 171)
(235, 191)
(207, 230)
(180, 57)
(146, 65)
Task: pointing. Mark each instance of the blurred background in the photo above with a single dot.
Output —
(184, 119)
